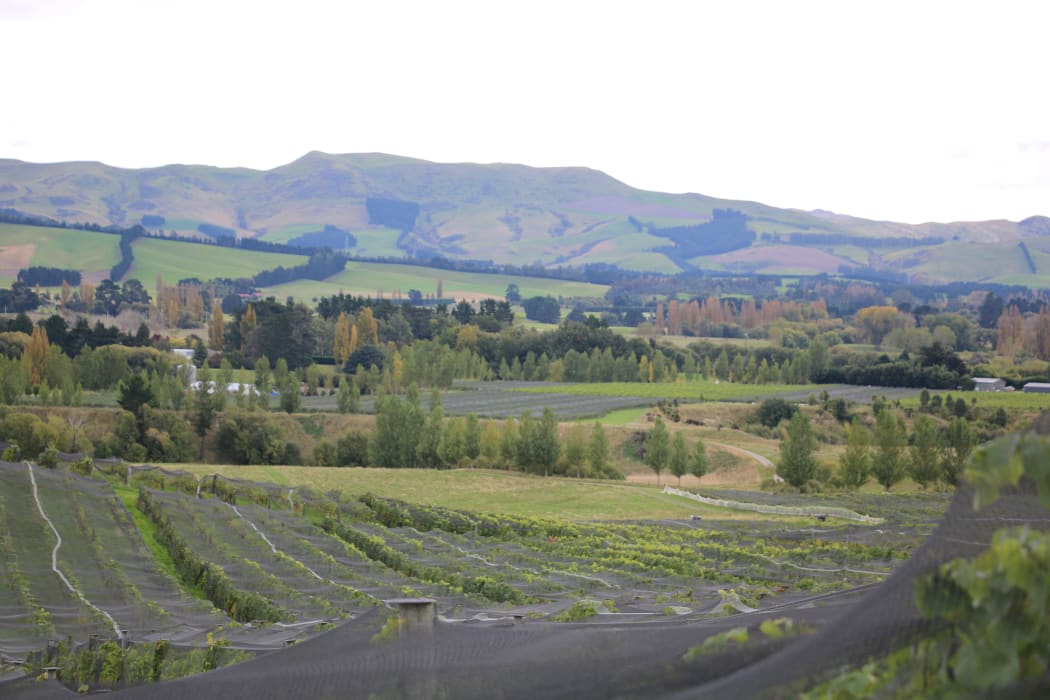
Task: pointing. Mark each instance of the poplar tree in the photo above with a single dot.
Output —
(679, 461)
(888, 463)
(598, 449)
(698, 461)
(855, 462)
(658, 448)
(797, 462)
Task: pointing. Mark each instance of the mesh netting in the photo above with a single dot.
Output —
(483, 648)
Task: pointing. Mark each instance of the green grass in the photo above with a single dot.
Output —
(179, 260)
(624, 416)
(371, 279)
(1017, 400)
(378, 242)
(86, 251)
(486, 491)
(283, 235)
(129, 497)
(699, 390)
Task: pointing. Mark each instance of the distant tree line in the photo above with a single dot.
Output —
(48, 276)
(322, 263)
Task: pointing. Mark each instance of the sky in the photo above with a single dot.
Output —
(902, 111)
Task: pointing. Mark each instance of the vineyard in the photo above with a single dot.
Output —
(143, 574)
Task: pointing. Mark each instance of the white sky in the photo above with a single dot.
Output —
(909, 111)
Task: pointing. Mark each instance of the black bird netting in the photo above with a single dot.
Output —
(394, 651)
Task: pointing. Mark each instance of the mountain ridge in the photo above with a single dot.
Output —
(505, 212)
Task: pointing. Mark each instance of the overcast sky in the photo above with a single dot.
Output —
(908, 111)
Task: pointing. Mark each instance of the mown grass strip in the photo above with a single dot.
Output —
(129, 497)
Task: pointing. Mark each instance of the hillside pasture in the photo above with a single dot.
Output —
(382, 279)
(90, 252)
(177, 260)
(774, 259)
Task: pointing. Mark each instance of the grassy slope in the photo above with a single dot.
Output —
(371, 278)
(485, 491)
(86, 251)
(179, 260)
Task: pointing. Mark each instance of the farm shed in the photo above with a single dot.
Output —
(1036, 388)
(988, 384)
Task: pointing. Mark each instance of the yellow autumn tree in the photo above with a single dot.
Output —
(37, 355)
(367, 328)
(341, 344)
(87, 295)
(216, 326)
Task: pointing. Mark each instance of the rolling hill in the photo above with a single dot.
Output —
(389, 206)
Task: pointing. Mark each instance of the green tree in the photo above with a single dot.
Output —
(263, 380)
(855, 462)
(291, 399)
(678, 464)
(134, 393)
(472, 437)
(924, 464)
(204, 410)
(453, 442)
(538, 445)
(428, 449)
(959, 442)
(698, 461)
(598, 450)
(798, 465)
(888, 464)
(658, 447)
(774, 410)
(575, 450)
(249, 438)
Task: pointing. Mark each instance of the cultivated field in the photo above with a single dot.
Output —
(379, 279)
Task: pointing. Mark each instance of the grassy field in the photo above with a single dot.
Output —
(179, 260)
(375, 279)
(485, 491)
(24, 246)
(698, 390)
(1015, 400)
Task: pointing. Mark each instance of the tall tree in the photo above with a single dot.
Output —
(216, 326)
(924, 454)
(798, 464)
(855, 462)
(959, 441)
(472, 437)
(575, 448)
(678, 464)
(38, 354)
(698, 461)
(658, 447)
(428, 449)
(888, 463)
(203, 409)
(342, 349)
(598, 449)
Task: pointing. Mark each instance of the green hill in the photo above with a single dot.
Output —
(382, 205)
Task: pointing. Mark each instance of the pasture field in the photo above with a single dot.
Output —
(177, 260)
(21, 246)
(382, 279)
(481, 490)
(1010, 400)
(695, 390)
